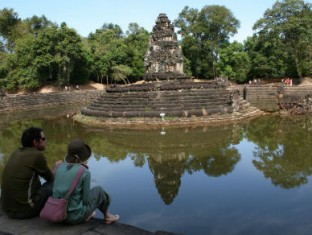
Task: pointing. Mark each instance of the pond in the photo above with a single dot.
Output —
(247, 178)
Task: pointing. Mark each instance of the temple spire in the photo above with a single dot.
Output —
(163, 59)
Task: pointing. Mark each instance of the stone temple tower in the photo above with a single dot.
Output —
(163, 59)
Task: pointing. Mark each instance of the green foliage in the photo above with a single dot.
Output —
(35, 51)
(3, 70)
(45, 54)
(107, 49)
(22, 74)
(187, 67)
(69, 51)
(121, 72)
(136, 47)
(110, 49)
(234, 62)
(283, 40)
(8, 19)
(203, 33)
(36, 24)
(8, 25)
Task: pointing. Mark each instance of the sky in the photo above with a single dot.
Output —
(85, 16)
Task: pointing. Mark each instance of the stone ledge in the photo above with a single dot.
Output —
(96, 226)
(156, 123)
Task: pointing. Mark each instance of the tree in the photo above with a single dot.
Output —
(45, 53)
(37, 24)
(114, 28)
(8, 21)
(108, 49)
(136, 46)
(22, 73)
(234, 62)
(289, 23)
(268, 57)
(121, 72)
(203, 34)
(69, 51)
(3, 70)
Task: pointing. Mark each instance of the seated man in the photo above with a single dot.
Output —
(22, 195)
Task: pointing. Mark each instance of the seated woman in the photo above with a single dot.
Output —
(83, 201)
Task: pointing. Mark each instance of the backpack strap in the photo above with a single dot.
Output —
(75, 181)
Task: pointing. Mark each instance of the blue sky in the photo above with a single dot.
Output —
(85, 16)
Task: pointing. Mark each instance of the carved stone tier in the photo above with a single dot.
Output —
(173, 98)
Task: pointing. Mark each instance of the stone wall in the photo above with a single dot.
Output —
(264, 97)
(46, 100)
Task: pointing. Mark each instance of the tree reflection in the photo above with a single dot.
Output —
(284, 152)
(168, 157)
(216, 162)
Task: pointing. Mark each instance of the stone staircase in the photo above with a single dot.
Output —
(246, 110)
(173, 98)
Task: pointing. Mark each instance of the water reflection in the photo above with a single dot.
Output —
(169, 156)
(284, 152)
(210, 161)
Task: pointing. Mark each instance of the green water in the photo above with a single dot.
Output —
(248, 178)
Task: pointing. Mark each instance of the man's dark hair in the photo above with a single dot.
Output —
(30, 134)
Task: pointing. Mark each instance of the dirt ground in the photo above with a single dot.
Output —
(90, 86)
(307, 81)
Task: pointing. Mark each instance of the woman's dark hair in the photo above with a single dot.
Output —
(30, 134)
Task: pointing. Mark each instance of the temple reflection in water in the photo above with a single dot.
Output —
(174, 154)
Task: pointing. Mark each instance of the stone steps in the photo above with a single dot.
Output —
(155, 113)
(159, 102)
(120, 102)
(168, 107)
(163, 86)
(155, 94)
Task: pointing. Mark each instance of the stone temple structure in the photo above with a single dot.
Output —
(164, 58)
(166, 91)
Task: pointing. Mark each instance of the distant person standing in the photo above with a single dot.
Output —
(22, 195)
